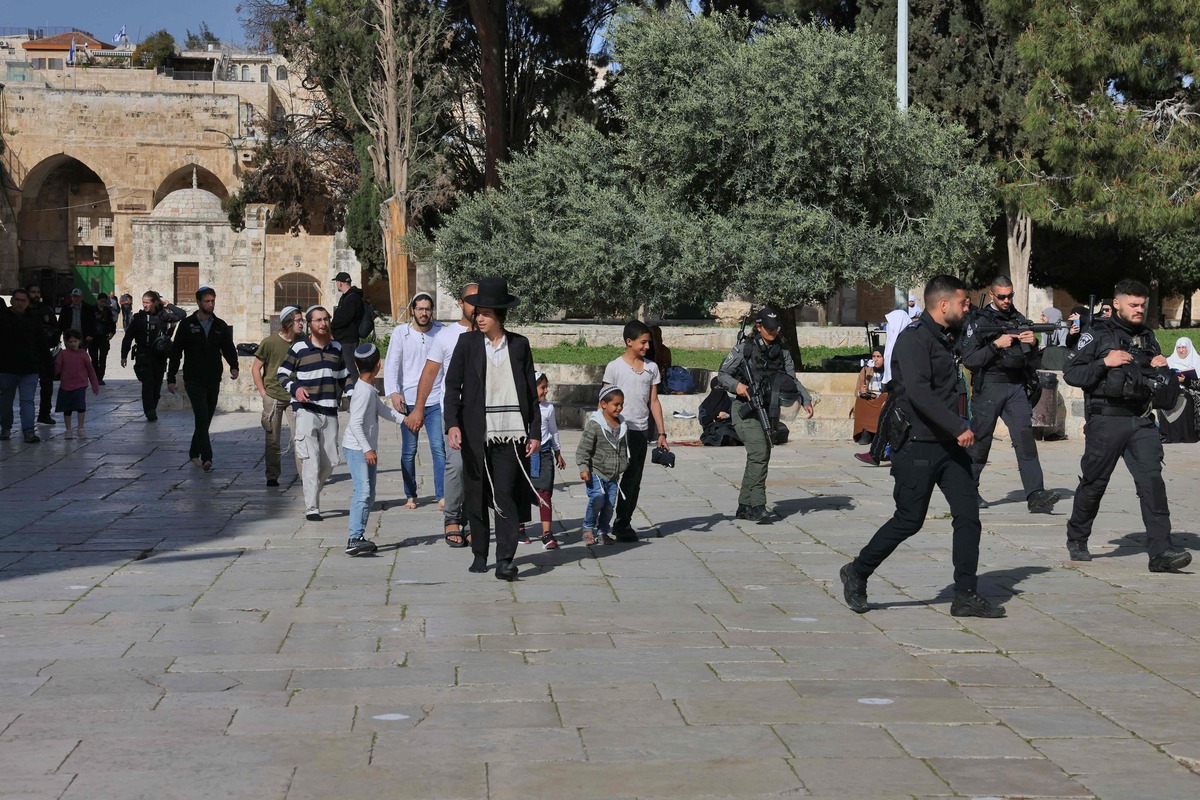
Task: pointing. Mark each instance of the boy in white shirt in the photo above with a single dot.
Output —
(638, 378)
(359, 443)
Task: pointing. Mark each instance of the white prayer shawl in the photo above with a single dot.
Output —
(1190, 361)
(502, 406)
(897, 321)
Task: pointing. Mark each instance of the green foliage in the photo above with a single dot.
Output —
(156, 50)
(201, 40)
(363, 233)
(774, 166)
(1121, 152)
(812, 358)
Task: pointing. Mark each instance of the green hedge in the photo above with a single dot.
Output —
(812, 357)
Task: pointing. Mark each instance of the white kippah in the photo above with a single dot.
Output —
(607, 390)
(287, 312)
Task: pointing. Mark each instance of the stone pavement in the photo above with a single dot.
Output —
(166, 633)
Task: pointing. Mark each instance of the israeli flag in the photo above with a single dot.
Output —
(120, 35)
(71, 54)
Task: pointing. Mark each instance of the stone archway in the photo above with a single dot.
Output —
(65, 227)
(182, 179)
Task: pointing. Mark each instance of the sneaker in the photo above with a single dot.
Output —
(5, 435)
(46, 419)
(970, 603)
(32, 438)
(359, 546)
(626, 534)
(984, 503)
(1042, 501)
(1170, 560)
(81, 433)
(867, 458)
(549, 542)
(272, 482)
(101, 382)
(69, 434)
(151, 416)
(854, 589)
(1078, 552)
(314, 516)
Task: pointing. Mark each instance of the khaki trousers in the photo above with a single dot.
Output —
(272, 422)
(316, 443)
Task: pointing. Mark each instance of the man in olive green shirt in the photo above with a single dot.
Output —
(276, 401)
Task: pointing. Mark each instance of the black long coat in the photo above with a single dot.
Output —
(464, 409)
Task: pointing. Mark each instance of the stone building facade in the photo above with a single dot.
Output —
(116, 177)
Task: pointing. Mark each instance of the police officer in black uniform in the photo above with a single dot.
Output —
(1111, 364)
(149, 335)
(931, 399)
(44, 313)
(1000, 367)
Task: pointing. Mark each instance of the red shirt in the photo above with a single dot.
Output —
(74, 369)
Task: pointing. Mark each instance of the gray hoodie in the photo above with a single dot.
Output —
(600, 450)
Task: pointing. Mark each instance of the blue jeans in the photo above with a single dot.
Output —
(11, 385)
(437, 447)
(602, 499)
(364, 490)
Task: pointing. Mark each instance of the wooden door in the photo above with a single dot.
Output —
(187, 282)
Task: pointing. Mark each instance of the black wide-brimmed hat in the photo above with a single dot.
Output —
(492, 293)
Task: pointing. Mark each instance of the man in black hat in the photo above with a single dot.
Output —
(202, 340)
(347, 316)
(773, 373)
(492, 415)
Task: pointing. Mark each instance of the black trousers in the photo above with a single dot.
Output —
(1134, 439)
(203, 397)
(1009, 402)
(152, 371)
(348, 346)
(504, 467)
(98, 349)
(917, 468)
(46, 379)
(631, 481)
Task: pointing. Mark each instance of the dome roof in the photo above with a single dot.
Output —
(190, 204)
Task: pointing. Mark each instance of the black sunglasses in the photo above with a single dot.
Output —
(1003, 296)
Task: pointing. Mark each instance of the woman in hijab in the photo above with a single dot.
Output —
(869, 399)
(1059, 337)
(1180, 424)
(718, 430)
(1079, 319)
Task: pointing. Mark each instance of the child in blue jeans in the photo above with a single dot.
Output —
(359, 443)
(602, 456)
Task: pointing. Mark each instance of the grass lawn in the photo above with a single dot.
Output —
(698, 359)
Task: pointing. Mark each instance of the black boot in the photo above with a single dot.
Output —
(1170, 560)
(505, 570)
(479, 564)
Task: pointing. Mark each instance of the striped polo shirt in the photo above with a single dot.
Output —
(320, 370)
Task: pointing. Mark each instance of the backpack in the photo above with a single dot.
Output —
(678, 380)
(366, 325)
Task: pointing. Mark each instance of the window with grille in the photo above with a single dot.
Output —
(297, 289)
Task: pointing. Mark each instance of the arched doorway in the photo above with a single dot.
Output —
(65, 229)
(182, 179)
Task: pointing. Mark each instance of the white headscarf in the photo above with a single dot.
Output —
(896, 321)
(915, 310)
(1190, 361)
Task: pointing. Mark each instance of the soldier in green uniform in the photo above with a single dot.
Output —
(759, 371)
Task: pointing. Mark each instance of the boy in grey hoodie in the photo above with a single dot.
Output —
(602, 456)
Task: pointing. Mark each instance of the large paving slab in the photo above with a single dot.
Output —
(170, 633)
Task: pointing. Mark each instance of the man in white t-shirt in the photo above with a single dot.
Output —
(638, 378)
(433, 383)
(401, 373)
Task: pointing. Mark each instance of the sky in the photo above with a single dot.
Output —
(104, 19)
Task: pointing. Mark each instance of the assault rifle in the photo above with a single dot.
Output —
(989, 331)
(757, 405)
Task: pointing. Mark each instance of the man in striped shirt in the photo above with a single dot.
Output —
(314, 374)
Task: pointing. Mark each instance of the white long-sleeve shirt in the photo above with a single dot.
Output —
(366, 406)
(549, 427)
(405, 361)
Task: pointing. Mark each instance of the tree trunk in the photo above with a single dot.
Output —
(394, 224)
(489, 18)
(1020, 246)
(787, 323)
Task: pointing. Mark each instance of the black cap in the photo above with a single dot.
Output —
(768, 318)
(342, 277)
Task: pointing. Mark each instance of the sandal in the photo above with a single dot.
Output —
(458, 534)
(589, 538)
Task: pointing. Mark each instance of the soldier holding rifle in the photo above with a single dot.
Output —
(760, 372)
